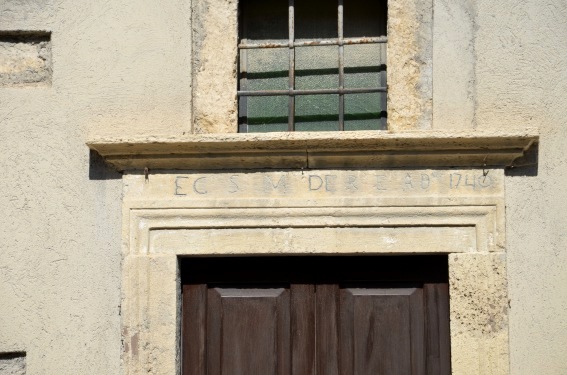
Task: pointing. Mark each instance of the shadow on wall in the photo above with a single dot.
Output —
(99, 170)
(527, 165)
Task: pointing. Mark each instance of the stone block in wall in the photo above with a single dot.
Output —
(12, 363)
(25, 59)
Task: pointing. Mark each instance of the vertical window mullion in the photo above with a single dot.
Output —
(341, 66)
(291, 25)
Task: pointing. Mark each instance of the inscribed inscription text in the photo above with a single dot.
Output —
(343, 183)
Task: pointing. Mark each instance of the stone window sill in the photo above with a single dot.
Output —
(361, 149)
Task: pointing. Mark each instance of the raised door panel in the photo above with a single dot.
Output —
(194, 329)
(327, 338)
(248, 331)
(303, 307)
(438, 345)
(382, 331)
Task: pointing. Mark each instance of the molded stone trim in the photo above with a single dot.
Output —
(147, 226)
(364, 149)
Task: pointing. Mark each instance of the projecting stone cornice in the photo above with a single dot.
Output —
(360, 149)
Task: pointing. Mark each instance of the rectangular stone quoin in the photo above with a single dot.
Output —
(215, 36)
(410, 64)
(479, 311)
(25, 58)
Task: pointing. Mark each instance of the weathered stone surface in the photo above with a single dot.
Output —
(25, 58)
(479, 313)
(355, 149)
(150, 329)
(321, 240)
(426, 184)
(410, 61)
(215, 37)
(410, 46)
(12, 364)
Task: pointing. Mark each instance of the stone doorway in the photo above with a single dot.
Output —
(454, 213)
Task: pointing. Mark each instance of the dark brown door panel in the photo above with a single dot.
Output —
(382, 331)
(249, 331)
(315, 316)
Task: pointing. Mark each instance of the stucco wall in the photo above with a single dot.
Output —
(501, 66)
(521, 79)
(512, 55)
(119, 63)
(124, 67)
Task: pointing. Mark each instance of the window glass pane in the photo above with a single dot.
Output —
(264, 20)
(266, 113)
(365, 18)
(315, 19)
(268, 69)
(316, 112)
(365, 111)
(365, 65)
(317, 67)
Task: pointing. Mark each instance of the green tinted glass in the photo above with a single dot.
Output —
(267, 69)
(365, 65)
(317, 67)
(316, 112)
(267, 113)
(365, 111)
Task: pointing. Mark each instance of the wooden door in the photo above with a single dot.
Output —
(315, 315)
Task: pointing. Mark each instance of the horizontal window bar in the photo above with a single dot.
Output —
(310, 92)
(315, 42)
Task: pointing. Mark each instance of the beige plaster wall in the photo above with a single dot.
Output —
(117, 64)
(506, 70)
(521, 79)
(501, 65)
(124, 67)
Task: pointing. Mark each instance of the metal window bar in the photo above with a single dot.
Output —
(292, 44)
(314, 42)
(291, 26)
(341, 68)
(294, 92)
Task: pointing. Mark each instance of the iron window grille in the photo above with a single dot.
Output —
(292, 44)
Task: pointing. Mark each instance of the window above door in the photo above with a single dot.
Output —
(410, 139)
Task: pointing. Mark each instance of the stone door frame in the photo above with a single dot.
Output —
(181, 214)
